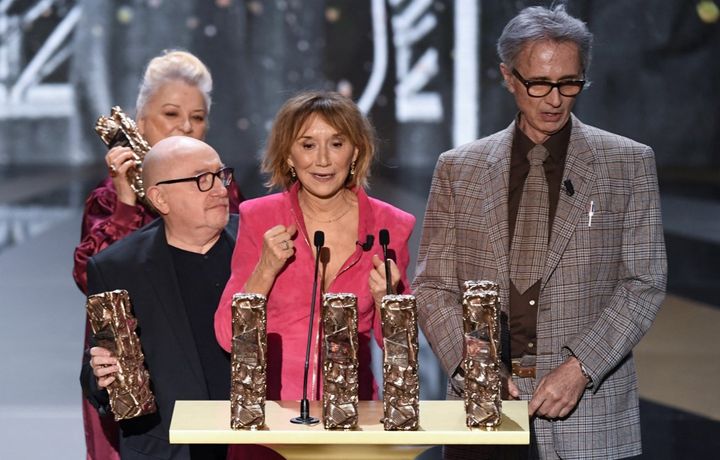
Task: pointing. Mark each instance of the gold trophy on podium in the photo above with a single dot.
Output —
(481, 361)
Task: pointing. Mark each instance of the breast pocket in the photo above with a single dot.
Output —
(598, 238)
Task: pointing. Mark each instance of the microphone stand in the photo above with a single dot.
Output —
(304, 418)
(384, 242)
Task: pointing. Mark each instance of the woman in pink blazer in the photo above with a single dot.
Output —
(319, 151)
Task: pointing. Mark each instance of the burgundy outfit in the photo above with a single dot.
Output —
(288, 306)
(105, 221)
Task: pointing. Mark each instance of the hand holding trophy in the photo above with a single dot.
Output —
(118, 131)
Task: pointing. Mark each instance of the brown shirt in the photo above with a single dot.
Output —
(523, 308)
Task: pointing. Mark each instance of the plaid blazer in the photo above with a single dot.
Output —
(602, 284)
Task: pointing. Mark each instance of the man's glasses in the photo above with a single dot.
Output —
(205, 181)
(541, 88)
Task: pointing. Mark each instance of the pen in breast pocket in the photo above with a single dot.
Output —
(591, 212)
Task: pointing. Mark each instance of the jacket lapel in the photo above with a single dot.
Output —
(159, 270)
(495, 201)
(571, 209)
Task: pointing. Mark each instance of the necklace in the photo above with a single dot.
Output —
(334, 219)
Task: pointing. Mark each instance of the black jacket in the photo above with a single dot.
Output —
(142, 264)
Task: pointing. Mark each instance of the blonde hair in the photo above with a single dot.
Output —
(174, 65)
(339, 112)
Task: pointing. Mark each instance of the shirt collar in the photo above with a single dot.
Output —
(556, 144)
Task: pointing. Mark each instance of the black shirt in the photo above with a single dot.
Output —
(202, 279)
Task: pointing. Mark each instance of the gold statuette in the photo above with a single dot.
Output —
(481, 354)
(113, 326)
(119, 130)
(401, 390)
(249, 351)
(340, 363)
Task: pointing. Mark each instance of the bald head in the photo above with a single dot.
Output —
(166, 156)
(172, 171)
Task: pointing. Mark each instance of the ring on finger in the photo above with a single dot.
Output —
(113, 170)
(286, 246)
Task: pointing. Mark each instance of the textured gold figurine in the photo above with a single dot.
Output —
(340, 363)
(249, 351)
(120, 130)
(401, 389)
(113, 326)
(481, 354)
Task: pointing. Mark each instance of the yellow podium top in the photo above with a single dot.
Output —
(441, 422)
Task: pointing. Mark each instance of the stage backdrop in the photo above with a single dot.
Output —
(425, 71)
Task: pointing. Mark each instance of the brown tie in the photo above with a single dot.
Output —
(530, 239)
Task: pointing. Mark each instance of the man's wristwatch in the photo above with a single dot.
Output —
(584, 372)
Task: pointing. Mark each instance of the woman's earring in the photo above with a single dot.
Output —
(352, 168)
(293, 174)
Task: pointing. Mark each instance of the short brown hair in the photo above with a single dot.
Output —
(339, 112)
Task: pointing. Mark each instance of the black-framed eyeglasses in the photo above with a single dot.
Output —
(205, 181)
(541, 88)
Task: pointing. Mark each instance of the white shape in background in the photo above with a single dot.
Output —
(22, 95)
(380, 57)
(466, 88)
(210, 30)
(409, 26)
(344, 87)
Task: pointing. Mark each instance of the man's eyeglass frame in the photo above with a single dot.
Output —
(226, 171)
(573, 84)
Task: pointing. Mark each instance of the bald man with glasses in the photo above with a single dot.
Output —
(566, 218)
(174, 270)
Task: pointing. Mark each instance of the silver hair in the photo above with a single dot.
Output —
(174, 65)
(539, 23)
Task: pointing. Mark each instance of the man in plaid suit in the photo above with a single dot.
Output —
(572, 332)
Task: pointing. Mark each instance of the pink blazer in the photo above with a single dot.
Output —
(288, 308)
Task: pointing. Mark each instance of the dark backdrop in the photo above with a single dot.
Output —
(654, 74)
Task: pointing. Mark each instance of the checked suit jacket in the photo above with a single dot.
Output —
(601, 287)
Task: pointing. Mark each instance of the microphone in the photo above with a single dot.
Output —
(569, 189)
(384, 242)
(368, 244)
(305, 418)
(319, 239)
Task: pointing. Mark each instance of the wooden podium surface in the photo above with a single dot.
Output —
(441, 422)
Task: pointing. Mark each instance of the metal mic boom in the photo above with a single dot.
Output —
(305, 418)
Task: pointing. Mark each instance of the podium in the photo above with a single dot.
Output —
(441, 422)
